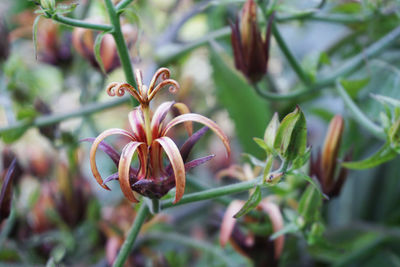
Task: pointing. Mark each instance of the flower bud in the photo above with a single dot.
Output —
(331, 149)
(250, 51)
(48, 4)
(4, 44)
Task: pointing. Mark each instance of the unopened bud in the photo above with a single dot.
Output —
(48, 4)
(331, 149)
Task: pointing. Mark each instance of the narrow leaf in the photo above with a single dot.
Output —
(250, 204)
(385, 153)
(309, 203)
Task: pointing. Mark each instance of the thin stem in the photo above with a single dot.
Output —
(122, 49)
(155, 202)
(358, 115)
(133, 232)
(289, 55)
(55, 118)
(81, 23)
(121, 5)
(212, 193)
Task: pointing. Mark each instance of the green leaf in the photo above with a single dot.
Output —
(385, 153)
(315, 184)
(270, 133)
(288, 228)
(13, 135)
(387, 100)
(291, 139)
(299, 161)
(250, 204)
(27, 113)
(309, 204)
(63, 8)
(247, 110)
(261, 143)
(255, 161)
(34, 33)
(97, 47)
(354, 86)
(348, 8)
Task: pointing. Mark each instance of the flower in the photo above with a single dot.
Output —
(251, 53)
(149, 139)
(324, 167)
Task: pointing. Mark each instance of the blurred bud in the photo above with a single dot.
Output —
(250, 51)
(331, 149)
(83, 41)
(44, 109)
(324, 167)
(53, 45)
(39, 161)
(4, 43)
(48, 4)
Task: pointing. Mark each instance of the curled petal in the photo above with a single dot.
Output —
(178, 166)
(277, 224)
(109, 150)
(164, 73)
(119, 89)
(136, 121)
(201, 119)
(159, 116)
(183, 109)
(93, 150)
(124, 167)
(228, 222)
(173, 88)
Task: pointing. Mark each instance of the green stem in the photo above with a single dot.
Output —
(133, 232)
(122, 4)
(358, 115)
(55, 118)
(212, 193)
(155, 202)
(289, 56)
(81, 23)
(122, 49)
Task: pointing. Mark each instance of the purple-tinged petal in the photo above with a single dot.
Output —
(124, 167)
(112, 177)
(228, 222)
(201, 119)
(159, 116)
(190, 142)
(7, 192)
(106, 148)
(137, 122)
(93, 150)
(197, 162)
(237, 46)
(178, 166)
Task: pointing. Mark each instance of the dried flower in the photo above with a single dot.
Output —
(149, 139)
(251, 53)
(324, 167)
